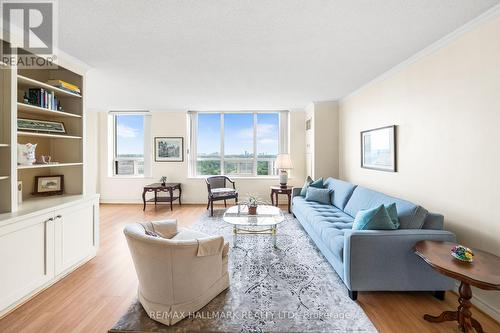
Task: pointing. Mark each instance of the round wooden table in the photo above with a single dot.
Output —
(483, 273)
(278, 189)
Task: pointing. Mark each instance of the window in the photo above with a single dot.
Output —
(130, 138)
(209, 148)
(237, 143)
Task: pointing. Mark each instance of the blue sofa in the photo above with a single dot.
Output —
(370, 260)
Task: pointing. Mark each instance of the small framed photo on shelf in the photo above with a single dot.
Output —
(169, 149)
(44, 126)
(378, 149)
(49, 185)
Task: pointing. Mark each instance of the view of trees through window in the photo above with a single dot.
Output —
(249, 142)
(129, 145)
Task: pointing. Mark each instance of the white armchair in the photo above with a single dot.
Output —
(179, 270)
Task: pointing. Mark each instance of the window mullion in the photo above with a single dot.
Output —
(222, 171)
(255, 144)
(115, 167)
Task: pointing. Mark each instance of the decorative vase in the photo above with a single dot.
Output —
(26, 153)
(252, 210)
(283, 178)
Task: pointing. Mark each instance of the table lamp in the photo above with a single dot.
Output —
(283, 163)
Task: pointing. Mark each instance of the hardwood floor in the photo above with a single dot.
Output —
(93, 297)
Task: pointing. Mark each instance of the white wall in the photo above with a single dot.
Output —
(91, 153)
(174, 123)
(322, 155)
(447, 109)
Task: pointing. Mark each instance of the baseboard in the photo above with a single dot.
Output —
(482, 305)
(139, 202)
(176, 203)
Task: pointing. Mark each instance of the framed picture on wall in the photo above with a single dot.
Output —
(378, 149)
(169, 149)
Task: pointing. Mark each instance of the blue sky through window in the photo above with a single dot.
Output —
(238, 134)
(267, 134)
(130, 136)
(209, 134)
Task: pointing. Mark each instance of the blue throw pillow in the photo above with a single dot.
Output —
(317, 183)
(303, 191)
(321, 195)
(309, 182)
(393, 214)
(373, 219)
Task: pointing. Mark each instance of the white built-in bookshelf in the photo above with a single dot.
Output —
(65, 149)
(50, 235)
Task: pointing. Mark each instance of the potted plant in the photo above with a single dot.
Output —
(252, 204)
(163, 180)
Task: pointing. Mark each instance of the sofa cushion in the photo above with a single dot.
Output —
(393, 214)
(373, 219)
(335, 243)
(223, 192)
(321, 195)
(189, 234)
(318, 214)
(318, 183)
(342, 191)
(307, 182)
(411, 216)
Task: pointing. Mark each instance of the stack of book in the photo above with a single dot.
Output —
(65, 86)
(43, 98)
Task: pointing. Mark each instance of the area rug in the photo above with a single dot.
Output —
(291, 288)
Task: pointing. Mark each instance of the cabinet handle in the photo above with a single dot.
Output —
(49, 220)
(58, 217)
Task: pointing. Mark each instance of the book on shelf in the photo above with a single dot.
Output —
(43, 98)
(65, 86)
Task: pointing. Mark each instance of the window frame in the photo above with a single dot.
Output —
(112, 145)
(283, 142)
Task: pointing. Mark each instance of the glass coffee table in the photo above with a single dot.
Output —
(264, 222)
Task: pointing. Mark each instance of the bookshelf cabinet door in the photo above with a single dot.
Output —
(26, 257)
(74, 236)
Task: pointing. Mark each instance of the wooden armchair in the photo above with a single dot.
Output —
(218, 190)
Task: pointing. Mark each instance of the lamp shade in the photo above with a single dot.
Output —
(283, 161)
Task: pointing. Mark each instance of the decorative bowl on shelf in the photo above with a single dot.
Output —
(462, 253)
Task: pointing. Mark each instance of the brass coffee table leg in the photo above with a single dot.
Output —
(463, 315)
(235, 233)
(274, 232)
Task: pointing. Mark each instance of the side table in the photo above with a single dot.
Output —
(275, 190)
(483, 273)
(158, 187)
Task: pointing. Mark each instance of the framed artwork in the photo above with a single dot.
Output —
(169, 149)
(378, 149)
(49, 185)
(33, 125)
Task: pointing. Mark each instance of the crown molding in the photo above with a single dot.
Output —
(487, 16)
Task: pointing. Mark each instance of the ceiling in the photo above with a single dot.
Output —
(246, 54)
